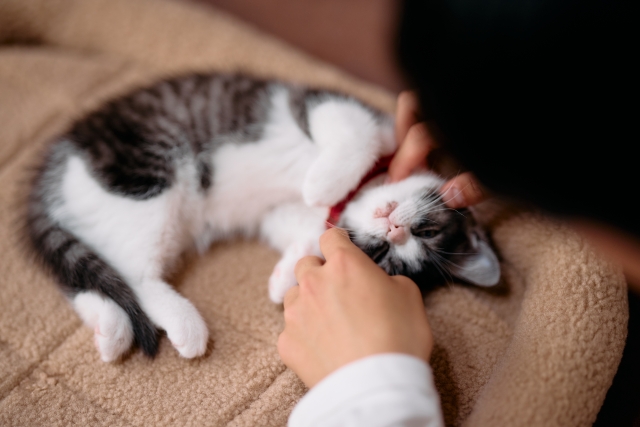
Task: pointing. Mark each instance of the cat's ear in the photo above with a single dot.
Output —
(480, 268)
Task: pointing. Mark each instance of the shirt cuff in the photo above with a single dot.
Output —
(399, 378)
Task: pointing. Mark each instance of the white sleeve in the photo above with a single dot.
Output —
(377, 391)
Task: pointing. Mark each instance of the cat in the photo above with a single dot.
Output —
(199, 158)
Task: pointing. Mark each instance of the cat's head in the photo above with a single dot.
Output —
(406, 229)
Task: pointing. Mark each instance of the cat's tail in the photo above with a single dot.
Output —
(79, 269)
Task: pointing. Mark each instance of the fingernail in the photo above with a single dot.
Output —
(454, 198)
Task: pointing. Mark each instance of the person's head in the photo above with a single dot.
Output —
(534, 97)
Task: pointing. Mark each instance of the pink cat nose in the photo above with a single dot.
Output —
(397, 234)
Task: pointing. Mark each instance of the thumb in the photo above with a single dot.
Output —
(336, 240)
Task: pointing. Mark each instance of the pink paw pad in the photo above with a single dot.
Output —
(96, 334)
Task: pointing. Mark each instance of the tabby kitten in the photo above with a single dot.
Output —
(201, 158)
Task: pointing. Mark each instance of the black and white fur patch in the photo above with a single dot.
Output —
(200, 158)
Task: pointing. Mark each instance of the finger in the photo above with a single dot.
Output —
(337, 240)
(286, 349)
(290, 297)
(305, 265)
(412, 153)
(292, 353)
(408, 285)
(462, 191)
(406, 114)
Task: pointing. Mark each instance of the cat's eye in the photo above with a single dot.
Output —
(426, 233)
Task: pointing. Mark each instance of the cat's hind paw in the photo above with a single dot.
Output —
(113, 340)
(113, 334)
(187, 330)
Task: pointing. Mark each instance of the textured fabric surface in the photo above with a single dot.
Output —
(539, 350)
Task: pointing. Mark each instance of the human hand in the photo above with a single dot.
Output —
(416, 140)
(348, 308)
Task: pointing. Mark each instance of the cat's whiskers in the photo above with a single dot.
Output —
(427, 208)
(445, 260)
(430, 208)
(449, 209)
(459, 191)
(456, 253)
(437, 260)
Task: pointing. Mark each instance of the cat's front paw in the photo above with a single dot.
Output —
(318, 193)
(328, 182)
(281, 280)
(283, 277)
(187, 330)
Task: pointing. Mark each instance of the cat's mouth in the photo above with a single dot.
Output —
(386, 211)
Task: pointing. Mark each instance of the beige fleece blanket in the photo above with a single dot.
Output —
(541, 350)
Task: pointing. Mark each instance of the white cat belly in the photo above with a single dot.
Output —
(286, 166)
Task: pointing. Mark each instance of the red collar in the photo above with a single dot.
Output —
(379, 168)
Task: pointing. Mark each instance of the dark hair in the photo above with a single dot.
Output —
(535, 97)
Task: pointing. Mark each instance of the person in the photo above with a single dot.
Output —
(529, 96)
